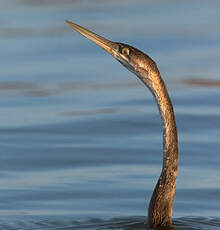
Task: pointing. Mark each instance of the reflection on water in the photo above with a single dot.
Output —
(203, 82)
(36, 89)
(81, 137)
(91, 112)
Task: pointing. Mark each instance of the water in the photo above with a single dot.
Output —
(81, 136)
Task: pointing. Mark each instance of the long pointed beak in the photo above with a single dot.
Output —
(107, 45)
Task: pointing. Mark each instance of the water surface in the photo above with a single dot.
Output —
(81, 136)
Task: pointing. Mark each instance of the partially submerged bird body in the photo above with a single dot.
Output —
(161, 203)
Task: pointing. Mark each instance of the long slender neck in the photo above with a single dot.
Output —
(161, 203)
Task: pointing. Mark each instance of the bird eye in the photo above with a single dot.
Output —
(125, 51)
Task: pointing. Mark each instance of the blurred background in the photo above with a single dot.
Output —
(81, 136)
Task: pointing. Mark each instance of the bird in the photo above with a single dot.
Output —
(161, 202)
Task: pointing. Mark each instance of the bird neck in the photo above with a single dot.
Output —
(160, 208)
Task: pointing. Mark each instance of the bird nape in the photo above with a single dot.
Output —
(161, 203)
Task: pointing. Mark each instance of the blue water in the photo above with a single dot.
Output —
(81, 136)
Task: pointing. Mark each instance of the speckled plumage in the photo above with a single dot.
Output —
(161, 203)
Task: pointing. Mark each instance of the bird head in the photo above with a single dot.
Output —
(130, 57)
